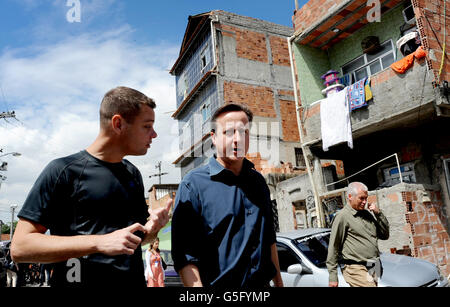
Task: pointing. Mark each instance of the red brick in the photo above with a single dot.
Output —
(259, 99)
(417, 240)
(286, 93)
(289, 121)
(280, 50)
(412, 217)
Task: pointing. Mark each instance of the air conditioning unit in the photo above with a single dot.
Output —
(409, 16)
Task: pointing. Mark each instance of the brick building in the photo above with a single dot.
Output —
(402, 133)
(227, 58)
(159, 194)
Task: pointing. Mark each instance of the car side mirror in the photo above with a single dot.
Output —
(295, 269)
(299, 269)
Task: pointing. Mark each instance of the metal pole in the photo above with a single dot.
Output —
(399, 169)
(13, 208)
(306, 151)
(158, 167)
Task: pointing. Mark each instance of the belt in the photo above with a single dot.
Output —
(348, 261)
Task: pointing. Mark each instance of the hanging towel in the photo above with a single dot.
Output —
(401, 66)
(335, 120)
(356, 95)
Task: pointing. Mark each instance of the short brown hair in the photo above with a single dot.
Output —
(230, 107)
(124, 101)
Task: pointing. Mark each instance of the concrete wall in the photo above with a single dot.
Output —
(288, 192)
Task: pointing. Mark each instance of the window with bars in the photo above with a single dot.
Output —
(369, 64)
(197, 62)
(206, 110)
(205, 58)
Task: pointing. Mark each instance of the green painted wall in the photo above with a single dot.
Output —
(350, 48)
(312, 63)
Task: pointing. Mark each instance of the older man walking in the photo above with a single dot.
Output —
(354, 240)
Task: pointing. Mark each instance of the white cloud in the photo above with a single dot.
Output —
(56, 91)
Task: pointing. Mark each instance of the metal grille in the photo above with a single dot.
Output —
(195, 65)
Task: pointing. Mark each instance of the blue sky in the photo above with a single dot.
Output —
(54, 73)
(43, 21)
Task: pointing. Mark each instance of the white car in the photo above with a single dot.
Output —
(302, 256)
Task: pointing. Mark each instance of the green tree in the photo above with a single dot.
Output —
(6, 227)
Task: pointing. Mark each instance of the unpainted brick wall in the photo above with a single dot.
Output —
(249, 44)
(311, 12)
(252, 45)
(264, 167)
(428, 228)
(259, 99)
(280, 50)
(430, 23)
(289, 121)
(417, 229)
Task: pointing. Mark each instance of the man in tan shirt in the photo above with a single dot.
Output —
(354, 240)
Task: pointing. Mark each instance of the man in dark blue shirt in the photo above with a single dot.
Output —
(222, 227)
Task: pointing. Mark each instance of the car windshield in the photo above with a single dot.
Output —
(315, 248)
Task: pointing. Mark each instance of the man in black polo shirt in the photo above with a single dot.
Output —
(222, 227)
(93, 203)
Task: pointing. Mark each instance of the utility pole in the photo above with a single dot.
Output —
(13, 208)
(4, 165)
(158, 166)
(5, 115)
(2, 178)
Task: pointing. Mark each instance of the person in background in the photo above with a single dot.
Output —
(11, 271)
(354, 240)
(154, 265)
(44, 274)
